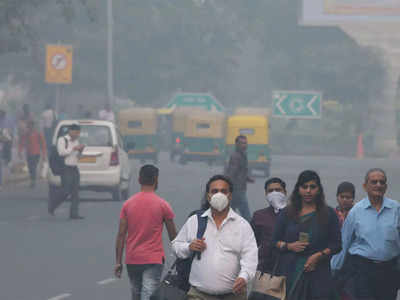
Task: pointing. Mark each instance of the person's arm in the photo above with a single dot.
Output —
(348, 231)
(171, 229)
(119, 246)
(181, 244)
(248, 255)
(62, 150)
(257, 232)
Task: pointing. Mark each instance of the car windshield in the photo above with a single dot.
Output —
(91, 135)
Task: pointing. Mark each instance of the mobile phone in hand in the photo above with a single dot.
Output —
(304, 237)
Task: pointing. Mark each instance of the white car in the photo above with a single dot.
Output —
(104, 165)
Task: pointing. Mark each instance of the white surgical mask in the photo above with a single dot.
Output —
(219, 201)
(277, 200)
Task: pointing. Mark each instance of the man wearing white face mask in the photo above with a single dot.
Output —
(228, 248)
(263, 221)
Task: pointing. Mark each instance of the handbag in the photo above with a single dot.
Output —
(169, 288)
(269, 286)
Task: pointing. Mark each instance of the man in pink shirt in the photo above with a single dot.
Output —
(141, 224)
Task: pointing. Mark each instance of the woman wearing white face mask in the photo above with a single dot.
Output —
(263, 221)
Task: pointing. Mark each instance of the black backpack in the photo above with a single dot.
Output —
(56, 161)
(183, 266)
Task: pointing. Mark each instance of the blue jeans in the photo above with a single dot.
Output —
(145, 279)
(239, 202)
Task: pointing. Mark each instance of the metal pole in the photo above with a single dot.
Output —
(58, 98)
(110, 77)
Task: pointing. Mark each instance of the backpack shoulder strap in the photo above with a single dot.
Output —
(201, 224)
(66, 142)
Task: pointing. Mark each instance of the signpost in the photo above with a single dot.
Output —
(202, 100)
(58, 67)
(297, 104)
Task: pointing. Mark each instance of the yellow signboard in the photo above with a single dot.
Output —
(59, 64)
(363, 7)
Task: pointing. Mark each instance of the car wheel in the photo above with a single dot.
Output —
(117, 194)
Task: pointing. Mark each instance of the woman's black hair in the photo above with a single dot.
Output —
(296, 203)
(204, 202)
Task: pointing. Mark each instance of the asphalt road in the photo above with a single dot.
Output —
(53, 258)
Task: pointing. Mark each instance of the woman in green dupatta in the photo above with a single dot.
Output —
(307, 233)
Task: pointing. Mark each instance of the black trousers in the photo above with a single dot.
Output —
(70, 188)
(33, 161)
(375, 281)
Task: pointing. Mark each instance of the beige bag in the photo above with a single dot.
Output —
(269, 286)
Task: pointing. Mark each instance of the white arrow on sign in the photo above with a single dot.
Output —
(281, 98)
(309, 105)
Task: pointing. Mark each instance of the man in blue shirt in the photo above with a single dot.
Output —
(371, 242)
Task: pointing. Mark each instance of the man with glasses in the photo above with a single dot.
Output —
(371, 242)
(228, 248)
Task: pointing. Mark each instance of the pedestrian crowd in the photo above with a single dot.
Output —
(32, 135)
(296, 248)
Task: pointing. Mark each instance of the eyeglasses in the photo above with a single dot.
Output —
(375, 182)
(309, 186)
(223, 191)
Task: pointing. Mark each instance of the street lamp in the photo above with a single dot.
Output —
(110, 71)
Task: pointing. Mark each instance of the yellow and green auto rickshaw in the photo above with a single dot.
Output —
(204, 137)
(256, 129)
(138, 128)
(178, 127)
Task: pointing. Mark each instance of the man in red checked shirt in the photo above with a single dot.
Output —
(34, 144)
(141, 223)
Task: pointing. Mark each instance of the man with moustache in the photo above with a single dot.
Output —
(228, 248)
(371, 242)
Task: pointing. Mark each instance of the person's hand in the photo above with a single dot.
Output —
(297, 246)
(79, 148)
(239, 286)
(198, 245)
(312, 262)
(118, 270)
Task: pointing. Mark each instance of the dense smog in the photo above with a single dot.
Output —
(200, 149)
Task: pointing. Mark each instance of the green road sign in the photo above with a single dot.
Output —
(206, 101)
(297, 104)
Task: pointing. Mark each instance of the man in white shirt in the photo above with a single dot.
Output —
(107, 114)
(228, 248)
(68, 146)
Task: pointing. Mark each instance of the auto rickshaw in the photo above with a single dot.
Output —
(139, 130)
(203, 138)
(178, 126)
(256, 129)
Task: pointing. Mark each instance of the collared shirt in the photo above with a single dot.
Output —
(238, 170)
(231, 253)
(369, 233)
(263, 224)
(33, 142)
(71, 155)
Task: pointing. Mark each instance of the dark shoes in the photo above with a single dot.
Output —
(76, 217)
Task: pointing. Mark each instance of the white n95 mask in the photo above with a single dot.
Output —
(219, 201)
(277, 200)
